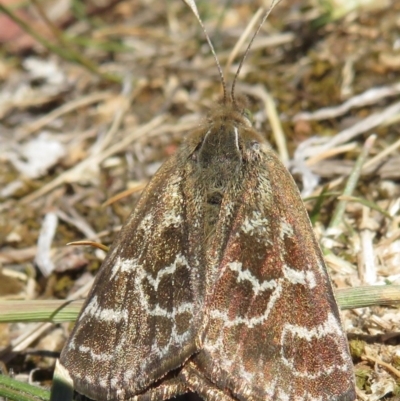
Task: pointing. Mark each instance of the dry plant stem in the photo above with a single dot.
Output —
(24, 340)
(59, 50)
(276, 126)
(386, 152)
(81, 292)
(386, 242)
(366, 263)
(374, 120)
(17, 255)
(89, 243)
(374, 319)
(328, 153)
(14, 274)
(352, 182)
(242, 39)
(375, 160)
(117, 120)
(127, 97)
(361, 395)
(77, 221)
(29, 129)
(273, 117)
(77, 170)
(364, 125)
(338, 264)
(347, 77)
(137, 188)
(105, 233)
(46, 236)
(276, 40)
(272, 5)
(371, 96)
(392, 120)
(378, 361)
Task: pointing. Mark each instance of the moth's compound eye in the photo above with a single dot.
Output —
(255, 145)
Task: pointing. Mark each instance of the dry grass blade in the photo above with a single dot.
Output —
(352, 182)
(89, 243)
(137, 188)
(369, 97)
(57, 113)
(72, 174)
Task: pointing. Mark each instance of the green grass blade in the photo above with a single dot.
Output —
(19, 391)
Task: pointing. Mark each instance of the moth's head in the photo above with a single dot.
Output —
(228, 135)
(233, 110)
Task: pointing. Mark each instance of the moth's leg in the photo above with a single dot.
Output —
(167, 389)
(199, 384)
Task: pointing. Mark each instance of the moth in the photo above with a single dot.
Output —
(215, 284)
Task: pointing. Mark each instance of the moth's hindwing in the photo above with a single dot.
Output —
(273, 327)
(141, 319)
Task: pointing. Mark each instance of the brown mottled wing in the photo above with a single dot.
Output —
(274, 331)
(138, 322)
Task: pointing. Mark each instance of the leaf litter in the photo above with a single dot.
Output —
(71, 139)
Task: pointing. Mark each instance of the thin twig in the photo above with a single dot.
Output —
(371, 96)
(352, 182)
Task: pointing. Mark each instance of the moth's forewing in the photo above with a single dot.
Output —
(215, 284)
(273, 328)
(143, 314)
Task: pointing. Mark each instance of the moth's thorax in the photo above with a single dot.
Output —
(220, 152)
(225, 144)
(225, 148)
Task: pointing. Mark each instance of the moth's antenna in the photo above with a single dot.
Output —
(193, 7)
(266, 15)
(243, 38)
